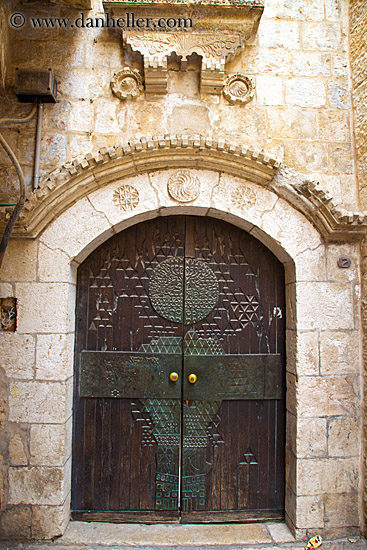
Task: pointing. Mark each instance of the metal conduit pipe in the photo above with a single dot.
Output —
(22, 188)
(37, 150)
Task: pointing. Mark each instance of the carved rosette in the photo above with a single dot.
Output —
(126, 198)
(184, 186)
(127, 84)
(238, 89)
(243, 197)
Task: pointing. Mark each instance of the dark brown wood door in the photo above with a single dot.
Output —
(179, 380)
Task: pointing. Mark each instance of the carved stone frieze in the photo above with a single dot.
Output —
(238, 88)
(127, 84)
(184, 186)
(214, 49)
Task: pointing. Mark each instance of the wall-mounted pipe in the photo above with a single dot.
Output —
(22, 187)
(37, 149)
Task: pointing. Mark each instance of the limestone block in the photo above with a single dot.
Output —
(292, 123)
(17, 452)
(327, 396)
(309, 157)
(54, 358)
(59, 55)
(311, 265)
(53, 152)
(339, 95)
(341, 159)
(104, 54)
(310, 512)
(315, 476)
(186, 83)
(81, 116)
(17, 356)
(37, 485)
(341, 67)
(303, 352)
(20, 261)
(334, 125)
(269, 90)
(321, 36)
(84, 83)
(47, 260)
(311, 438)
(6, 290)
(279, 34)
(302, 10)
(49, 521)
(339, 352)
(37, 402)
(189, 119)
(242, 198)
(290, 229)
(137, 196)
(147, 120)
(333, 10)
(343, 436)
(47, 444)
(341, 510)
(335, 273)
(42, 307)
(260, 61)
(2, 493)
(311, 64)
(250, 123)
(84, 226)
(15, 523)
(110, 116)
(305, 92)
(326, 306)
(82, 144)
(291, 306)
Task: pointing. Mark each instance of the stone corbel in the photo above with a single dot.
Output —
(156, 47)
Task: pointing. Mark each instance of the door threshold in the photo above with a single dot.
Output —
(175, 534)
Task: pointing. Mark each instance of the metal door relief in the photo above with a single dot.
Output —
(188, 296)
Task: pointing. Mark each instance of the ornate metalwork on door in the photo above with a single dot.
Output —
(179, 400)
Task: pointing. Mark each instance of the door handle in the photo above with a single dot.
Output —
(173, 376)
(192, 378)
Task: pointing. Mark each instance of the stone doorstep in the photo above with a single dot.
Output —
(175, 535)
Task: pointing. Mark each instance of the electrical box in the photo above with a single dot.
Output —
(35, 85)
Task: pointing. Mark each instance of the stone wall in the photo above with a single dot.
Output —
(301, 113)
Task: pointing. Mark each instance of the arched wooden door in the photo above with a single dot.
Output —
(179, 380)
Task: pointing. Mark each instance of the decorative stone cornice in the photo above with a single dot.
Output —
(78, 179)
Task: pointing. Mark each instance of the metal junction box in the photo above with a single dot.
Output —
(33, 85)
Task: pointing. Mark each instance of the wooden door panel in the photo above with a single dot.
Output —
(171, 286)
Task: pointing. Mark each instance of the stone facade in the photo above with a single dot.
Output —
(255, 161)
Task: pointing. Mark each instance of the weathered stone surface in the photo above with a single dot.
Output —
(315, 476)
(37, 485)
(311, 438)
(15, 523)
(292, 122)
(269, 90)
(326, 306)
(192, 119)
(49, 521)
(343, 436)
(54, 360)
(47, 258)
(311, 64)
(339, 95)
(310, 155)
(33, 318)
(20, 261)
(2, 414)
(311, 265)
(37, 402)
(17, 356)
(310, 512)
(47, 445)
(321, 36)
(17, 451)
(327, 396)
(339, 352)
(279, 34)
(305, 92)
(341, 510)
(303, 352)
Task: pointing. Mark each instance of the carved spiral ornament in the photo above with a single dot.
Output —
(238, 89)
(127, 84)
(184, 186)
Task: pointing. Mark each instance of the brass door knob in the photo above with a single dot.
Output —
(173, 376)
(192, 378)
